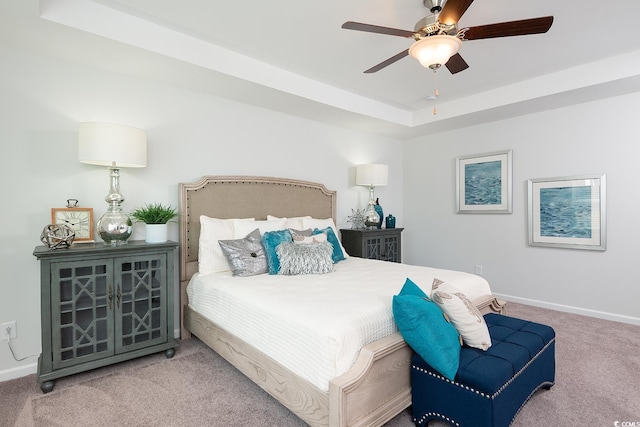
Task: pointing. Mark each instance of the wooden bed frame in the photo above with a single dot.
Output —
(374, 390)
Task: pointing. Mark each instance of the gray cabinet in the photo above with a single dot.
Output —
(102, 305)
(383, 244)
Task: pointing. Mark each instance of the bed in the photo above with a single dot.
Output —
(376, 385)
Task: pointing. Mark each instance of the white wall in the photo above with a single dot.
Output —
(189, 134)
(597, 137)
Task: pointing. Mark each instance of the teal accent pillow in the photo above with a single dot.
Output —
(270, 241)
(410, 288)
(425, 328)
(336, 255)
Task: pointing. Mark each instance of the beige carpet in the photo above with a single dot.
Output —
(195, 388)
(597, 383)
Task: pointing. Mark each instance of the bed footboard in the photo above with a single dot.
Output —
(376, 389)
(373, 391)
(490, 304)
(378, 386)
(299, 396)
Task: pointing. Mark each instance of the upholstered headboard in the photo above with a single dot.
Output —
(244, 197)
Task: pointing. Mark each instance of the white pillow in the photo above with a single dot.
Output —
(295, 222)
(211, 259)
(242, 227)
(322, 224)
(463, 314)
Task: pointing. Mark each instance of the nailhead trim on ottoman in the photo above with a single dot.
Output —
(490, 387)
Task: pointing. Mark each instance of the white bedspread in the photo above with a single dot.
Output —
(315, 325)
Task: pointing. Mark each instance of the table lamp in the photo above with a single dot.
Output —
(115, 146)
(372, 175)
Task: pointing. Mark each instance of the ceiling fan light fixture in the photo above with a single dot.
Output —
(434, 51)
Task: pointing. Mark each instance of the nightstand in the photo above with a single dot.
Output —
(104, 304)
(383, 244)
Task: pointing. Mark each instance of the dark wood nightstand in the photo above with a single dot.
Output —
(383, 244)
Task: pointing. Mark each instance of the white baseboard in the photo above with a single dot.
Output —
(20, 371)
(571, 309)
(32, 368)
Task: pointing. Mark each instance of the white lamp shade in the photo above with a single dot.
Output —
(434, 51)
(372, 174)
(107, 144)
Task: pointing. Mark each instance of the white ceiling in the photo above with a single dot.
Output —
(292, 55)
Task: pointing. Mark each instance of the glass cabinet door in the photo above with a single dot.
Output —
(373, 247)
(141, 301)
(82, 306)
(391, 248)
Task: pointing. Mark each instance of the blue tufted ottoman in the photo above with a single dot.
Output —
(490, 387)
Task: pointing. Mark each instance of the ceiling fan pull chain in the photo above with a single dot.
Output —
(435, 82)
(435, 91)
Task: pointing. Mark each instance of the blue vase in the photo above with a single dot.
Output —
(378, 209)
(391, 221)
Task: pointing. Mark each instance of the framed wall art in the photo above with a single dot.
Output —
(484, 183)
(568, 212)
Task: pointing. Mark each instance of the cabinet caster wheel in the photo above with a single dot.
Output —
(170, 352)
(47, 386)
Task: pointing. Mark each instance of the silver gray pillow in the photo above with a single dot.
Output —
(246, 256)
(305, 259)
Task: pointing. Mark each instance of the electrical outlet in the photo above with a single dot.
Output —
(8, 330)
(478, 270)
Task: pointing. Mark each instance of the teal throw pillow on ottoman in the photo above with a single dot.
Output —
(425, 328)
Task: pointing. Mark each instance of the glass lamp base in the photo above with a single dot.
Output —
(114, 227)
(371, 217)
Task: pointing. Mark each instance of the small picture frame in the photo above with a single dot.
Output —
(484, 183)
(568, 212)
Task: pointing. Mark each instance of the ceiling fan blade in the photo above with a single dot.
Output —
(455, 64)
(507, 29)
(453, 10)
(358, 26)
(387, 62)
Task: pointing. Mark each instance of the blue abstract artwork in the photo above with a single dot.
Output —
(483, 183)
(565, 212)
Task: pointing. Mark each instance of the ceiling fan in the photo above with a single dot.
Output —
(438, 39)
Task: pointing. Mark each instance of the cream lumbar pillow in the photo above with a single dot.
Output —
(321, 224)
(300, 239)
(463, 314)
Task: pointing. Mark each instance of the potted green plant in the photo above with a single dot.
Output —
(156, 216)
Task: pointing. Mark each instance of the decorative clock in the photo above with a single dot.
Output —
(78, 219)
